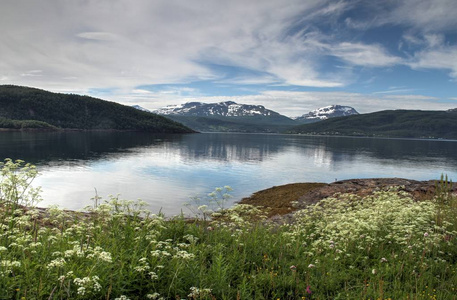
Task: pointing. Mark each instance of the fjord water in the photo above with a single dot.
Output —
(167, 170)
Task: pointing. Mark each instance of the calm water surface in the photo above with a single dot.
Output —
(166, 170)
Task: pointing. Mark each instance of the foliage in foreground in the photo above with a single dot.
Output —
(376, 247)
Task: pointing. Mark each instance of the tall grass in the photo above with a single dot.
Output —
(346, 247)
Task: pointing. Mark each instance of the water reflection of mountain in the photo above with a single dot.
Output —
(324, 150)
(230, 147)
(259, 147)
(64, 147)
(57, 147)
(397, 149)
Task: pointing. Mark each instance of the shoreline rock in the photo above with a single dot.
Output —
(284, 199)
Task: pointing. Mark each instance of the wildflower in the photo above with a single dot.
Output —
(153, 275)
(310, 266)
(59, 262)
(426, 234)
(199, 293)
(293, 268)
(383, 259)
(81, 290)
(373, 271)
(308, 290)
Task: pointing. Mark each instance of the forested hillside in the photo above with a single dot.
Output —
(389, 123)
(24, 107)
(235, 124)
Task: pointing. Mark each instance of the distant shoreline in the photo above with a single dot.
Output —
(77, 129)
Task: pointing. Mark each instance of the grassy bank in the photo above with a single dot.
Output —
(380, 246)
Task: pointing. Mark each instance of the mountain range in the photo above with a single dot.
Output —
(233, 117)
(328, 120)
(25, 108)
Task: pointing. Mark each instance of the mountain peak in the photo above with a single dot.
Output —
(327, 112)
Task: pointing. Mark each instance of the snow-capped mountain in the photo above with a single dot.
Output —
(224, 109)
(141, 108)
(327, 112)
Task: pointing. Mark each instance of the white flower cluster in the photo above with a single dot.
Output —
(385, 217)
(56, 263)
(197, 293)
(98, 254)
(8, 267)
(87, 284)
(155, 296)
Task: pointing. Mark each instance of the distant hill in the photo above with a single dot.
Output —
(24, 107)
(389, 123)
(328, 112)
(227, 117)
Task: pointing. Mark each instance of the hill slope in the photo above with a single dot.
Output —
(39, 109)
(389, 123)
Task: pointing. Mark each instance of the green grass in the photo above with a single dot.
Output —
(377, 247)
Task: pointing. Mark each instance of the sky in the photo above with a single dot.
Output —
(291, 56)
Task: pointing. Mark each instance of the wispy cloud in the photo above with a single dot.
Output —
(364, 55)
(167, 42)
(443, 57)
(121, 46)
(97, 36)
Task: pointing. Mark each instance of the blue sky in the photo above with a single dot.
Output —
(291, 56)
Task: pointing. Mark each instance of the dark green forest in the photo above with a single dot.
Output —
(388, 123)
(30, 108)
(246, 124)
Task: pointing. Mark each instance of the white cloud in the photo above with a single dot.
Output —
(364, 55)
(143, 42)
(395, 91)
(437, 58)
(97, 36)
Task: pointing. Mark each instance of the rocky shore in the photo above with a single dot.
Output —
(284, 199)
